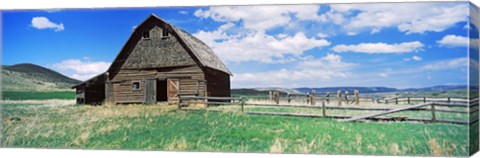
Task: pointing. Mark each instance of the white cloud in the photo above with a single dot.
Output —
(352, 33)
(308, 73)
(183, 12)
(260, 18)
(81, 70)
(322, 35)
(243, 34)
(445, 65)
(373, 48)
(44, 23)
(417, 58)
(374, 31)
(258, 46)
(407, 17)
(383, 75)
(53, 10)
(453, 41)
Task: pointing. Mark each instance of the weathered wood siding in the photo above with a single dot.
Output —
(190, 77)
(218, 83)
(157, 52)
(95, 94)
(93, 91)
(161, 58)
(123, 82)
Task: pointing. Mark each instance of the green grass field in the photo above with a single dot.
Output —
(158, 127)
(37, 95)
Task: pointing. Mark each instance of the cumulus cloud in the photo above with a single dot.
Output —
(258, 46)
(375, 48)
(308, 73)
(260, 18)
(448, 64)
(81, 70)
(183, 12)
(417, 58)
(243, 34)
(45, 23)
(453, 41)
(383, 75)
(406, 17)
(53, 10)
(322, 35)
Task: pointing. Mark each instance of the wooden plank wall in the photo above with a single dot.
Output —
(122, 85)
(218, 83)
(95, 93)
(189, 77)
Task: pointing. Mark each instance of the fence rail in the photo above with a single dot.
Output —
(186, 100)
(349, 98)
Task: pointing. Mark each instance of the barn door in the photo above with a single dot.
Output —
(150, 91)
(173, 87)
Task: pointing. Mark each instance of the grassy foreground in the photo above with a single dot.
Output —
(163, 128)
(37, 95)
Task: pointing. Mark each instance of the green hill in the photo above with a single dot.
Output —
(30, 77)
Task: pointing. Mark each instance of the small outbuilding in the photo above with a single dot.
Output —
(158, 63)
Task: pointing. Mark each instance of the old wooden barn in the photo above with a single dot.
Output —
(158, 63)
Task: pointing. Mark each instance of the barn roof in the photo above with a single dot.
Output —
(206, 56)
(201, 53)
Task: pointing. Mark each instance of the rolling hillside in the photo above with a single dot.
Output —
(30, 77)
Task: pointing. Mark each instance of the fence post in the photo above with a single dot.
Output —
(288, 98)
(357, 97)
(448, 99)
(424, 99)
(346, 97)
(270, 95)
(312, 98)
(276, 97)
(328, 97)
(396, 100)
(408, 100)
(339, 97)
(323, 109)
(179, 103)
(433, 113)
(242, 103)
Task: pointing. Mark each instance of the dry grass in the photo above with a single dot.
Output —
(395, 149)
(277, 146)
(435, 147)
(177, 144)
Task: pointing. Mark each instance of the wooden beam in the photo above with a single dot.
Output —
(323, 109)
(428, 120)
(433, 113)
(387, 112)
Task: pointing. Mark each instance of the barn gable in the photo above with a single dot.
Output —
(196, 49)
(157, 51)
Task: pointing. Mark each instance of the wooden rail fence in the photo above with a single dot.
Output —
(472, 107)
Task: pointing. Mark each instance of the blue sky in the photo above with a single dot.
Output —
(398, 45)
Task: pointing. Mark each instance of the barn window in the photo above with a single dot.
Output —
(146, 35)
(136, 85)
(165, 33)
